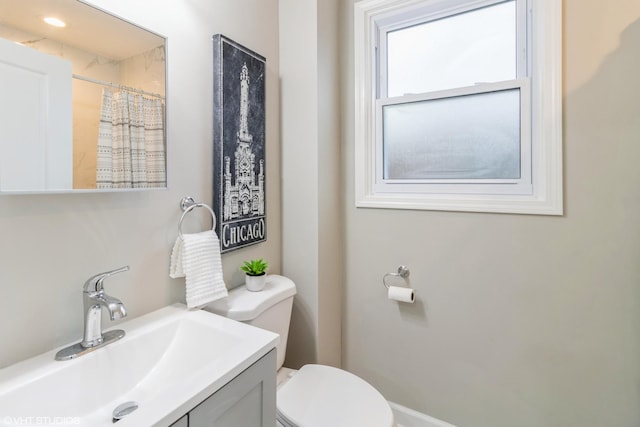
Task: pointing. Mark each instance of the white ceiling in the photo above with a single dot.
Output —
(88, 28)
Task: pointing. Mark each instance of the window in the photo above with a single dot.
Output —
(458, 105)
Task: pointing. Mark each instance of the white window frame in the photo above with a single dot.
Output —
(539, 191)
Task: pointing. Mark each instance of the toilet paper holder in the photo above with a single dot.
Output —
(402, 272)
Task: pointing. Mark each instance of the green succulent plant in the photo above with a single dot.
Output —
(255, 267)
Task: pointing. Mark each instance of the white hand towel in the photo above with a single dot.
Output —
(196, 257)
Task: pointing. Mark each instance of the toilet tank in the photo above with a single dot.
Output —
(268, 309)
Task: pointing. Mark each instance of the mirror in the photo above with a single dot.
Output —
(83, 105)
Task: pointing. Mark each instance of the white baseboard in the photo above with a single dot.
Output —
(406, 417)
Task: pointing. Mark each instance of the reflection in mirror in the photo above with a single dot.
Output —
(83, 104)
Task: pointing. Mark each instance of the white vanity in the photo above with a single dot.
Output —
(181, 367)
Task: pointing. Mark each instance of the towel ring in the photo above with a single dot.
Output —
(187, 204)
(402, 272)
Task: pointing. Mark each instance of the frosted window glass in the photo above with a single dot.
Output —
(466, 137)
(457, 51)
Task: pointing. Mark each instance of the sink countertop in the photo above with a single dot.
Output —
(169, 361)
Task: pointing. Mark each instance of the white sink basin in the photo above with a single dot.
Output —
(168, 362)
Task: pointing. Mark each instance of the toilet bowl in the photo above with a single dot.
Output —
(315, 395)
(321, 396)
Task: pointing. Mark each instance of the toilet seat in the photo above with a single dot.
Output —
(321, 396)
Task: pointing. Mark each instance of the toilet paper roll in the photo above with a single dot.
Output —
(398, 293)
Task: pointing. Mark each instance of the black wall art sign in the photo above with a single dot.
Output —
(239, 179)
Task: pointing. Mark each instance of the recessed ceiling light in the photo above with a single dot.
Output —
(55, 22)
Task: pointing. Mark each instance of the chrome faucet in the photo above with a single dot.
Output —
(94, 299)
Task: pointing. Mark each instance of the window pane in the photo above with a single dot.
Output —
(457, 51)
(465, 137)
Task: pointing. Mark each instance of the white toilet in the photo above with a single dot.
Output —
(315, 395)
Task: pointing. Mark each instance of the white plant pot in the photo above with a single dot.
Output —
(255, 283)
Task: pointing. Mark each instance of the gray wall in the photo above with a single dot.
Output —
(52, 243)
(520, 320)
(311, 190)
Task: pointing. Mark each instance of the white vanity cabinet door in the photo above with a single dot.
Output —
(249, 400)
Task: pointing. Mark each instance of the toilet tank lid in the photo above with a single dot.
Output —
(244, 305)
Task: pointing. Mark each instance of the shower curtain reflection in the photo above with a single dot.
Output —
(131, 150)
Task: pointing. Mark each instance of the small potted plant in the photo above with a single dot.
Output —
(255, 274)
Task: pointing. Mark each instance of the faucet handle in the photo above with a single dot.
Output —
(94, 284)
